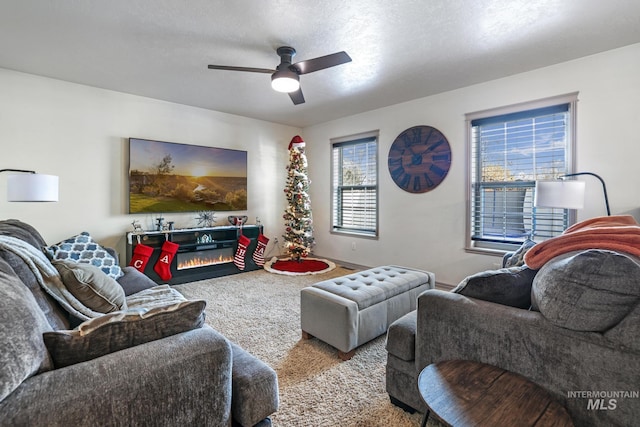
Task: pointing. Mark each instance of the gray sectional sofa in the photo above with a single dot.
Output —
(191, 375)
(572, 327)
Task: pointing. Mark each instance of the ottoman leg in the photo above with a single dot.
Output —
(306, 335)
(346, 356)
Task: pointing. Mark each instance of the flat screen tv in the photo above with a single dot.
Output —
(167, 177)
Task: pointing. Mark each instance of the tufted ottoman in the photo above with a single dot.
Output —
(348, 311)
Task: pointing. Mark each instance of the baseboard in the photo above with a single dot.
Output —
(343, 264)
(444, 286)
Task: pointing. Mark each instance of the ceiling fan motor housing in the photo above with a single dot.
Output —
(286, 54)
(286, 78)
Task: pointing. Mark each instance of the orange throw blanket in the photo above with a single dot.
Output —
(620, 233)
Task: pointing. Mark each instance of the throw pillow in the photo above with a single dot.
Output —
(83, 249)
(120, 330)
(91, 286)
(591, 290)
(517, 258)
(507, 286)
(22, 351)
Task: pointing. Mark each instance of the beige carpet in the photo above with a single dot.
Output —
(260, 311)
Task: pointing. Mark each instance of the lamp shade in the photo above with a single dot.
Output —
(559, 194)
(32, 187)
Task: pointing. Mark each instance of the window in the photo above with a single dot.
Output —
(354, 186)
(510, 149)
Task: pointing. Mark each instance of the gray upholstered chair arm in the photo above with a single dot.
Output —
(113, 253)
(133, 281)
(183, 379)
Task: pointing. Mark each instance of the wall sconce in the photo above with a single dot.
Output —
(29, 186)
(565, 194)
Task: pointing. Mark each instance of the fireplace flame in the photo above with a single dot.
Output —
(203, 261)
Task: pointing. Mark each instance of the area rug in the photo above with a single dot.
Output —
(261, 312)
(290, 267)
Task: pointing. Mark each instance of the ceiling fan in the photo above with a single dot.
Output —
(286, 77)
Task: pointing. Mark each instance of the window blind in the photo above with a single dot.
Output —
(509, 153)
(355, 186)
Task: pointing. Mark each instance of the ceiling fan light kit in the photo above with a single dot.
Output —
(286, 77)
(285, 81)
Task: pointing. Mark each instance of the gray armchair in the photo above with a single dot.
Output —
(580, 338)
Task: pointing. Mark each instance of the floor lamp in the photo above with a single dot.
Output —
(565, 194)
(29, 186)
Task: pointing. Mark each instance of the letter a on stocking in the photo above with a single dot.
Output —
(163, 265)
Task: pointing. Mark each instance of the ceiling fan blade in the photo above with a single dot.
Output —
(249, 69)
(297, 97)
(322, 62)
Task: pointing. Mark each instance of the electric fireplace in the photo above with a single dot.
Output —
(203, 253)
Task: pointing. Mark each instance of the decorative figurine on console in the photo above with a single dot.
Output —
(237, 220)
(206, 219)
(137, 228)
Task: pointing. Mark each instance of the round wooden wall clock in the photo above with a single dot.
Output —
(419, 159)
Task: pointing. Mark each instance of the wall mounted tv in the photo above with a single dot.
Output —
(166, 177)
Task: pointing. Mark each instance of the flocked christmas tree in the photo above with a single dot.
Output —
(298, 237)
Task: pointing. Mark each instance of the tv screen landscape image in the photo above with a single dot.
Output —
(167, 177)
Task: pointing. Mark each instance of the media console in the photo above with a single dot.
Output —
(203, 253)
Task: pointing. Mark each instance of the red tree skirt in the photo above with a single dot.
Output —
(296, 268)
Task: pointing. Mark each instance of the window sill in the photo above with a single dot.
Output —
(361, 234)
(487, 251)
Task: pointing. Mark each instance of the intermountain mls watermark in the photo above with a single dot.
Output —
(603, 400)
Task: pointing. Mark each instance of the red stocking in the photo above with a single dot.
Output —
(140, 258)
(238, 259)
(163, 265)
(258, 254)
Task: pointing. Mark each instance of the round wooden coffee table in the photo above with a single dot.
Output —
(465, 393)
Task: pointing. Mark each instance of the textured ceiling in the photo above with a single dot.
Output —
(401, 50)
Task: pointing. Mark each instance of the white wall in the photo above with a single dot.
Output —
(427, 230)
(81, 133)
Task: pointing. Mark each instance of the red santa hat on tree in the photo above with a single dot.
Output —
(296, 142)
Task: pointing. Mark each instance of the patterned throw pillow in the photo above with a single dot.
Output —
(82, 248)
(517, 259)
(123, 329)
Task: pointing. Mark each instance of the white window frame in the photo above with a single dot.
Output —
(337, 225)
(569, 216)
